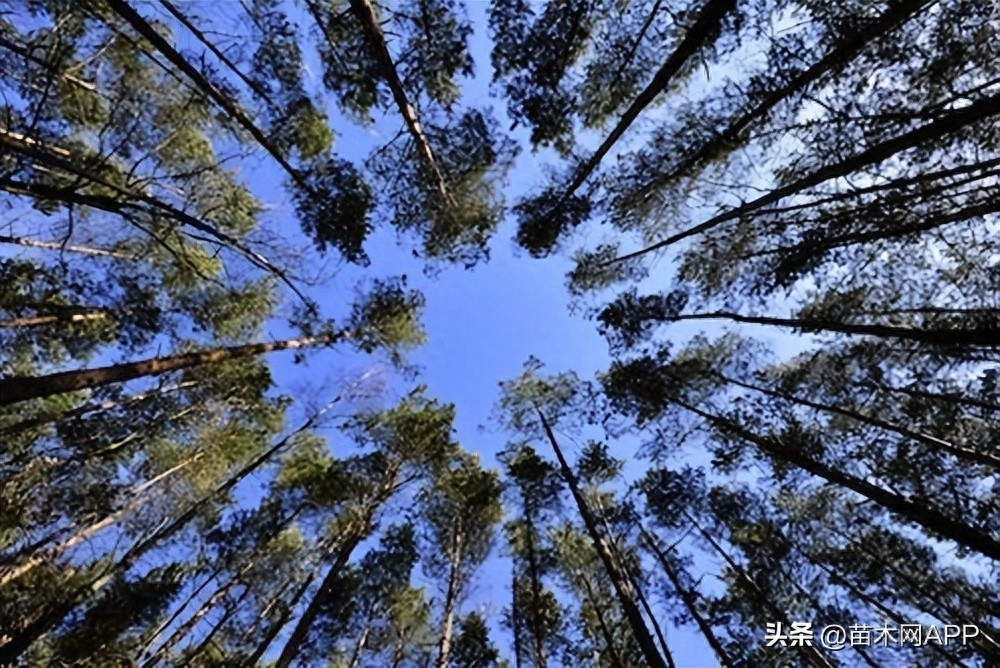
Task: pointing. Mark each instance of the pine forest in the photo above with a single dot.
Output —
(507, 334)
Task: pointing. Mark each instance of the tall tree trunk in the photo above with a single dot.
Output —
(60, 319)
(965, 454)
(148, 32)
(706, 27)
(354, 535)
(928, 518)
(365, 13)
(52, 245)
(944, 125)
(811, 654)
(55, 612)
(22, 388)
(89, 531)
(975, 336)
(444, 642)
(61, 416)
(515, 617)
(359, 646)
(688, 598)
(623, 589)
(597, 604)
(302, 627)
(839, 55)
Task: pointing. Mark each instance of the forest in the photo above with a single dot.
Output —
(508, 334)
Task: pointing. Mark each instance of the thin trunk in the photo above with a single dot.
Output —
(192, 621)
(49, 556)
(55, 612)
(706, 28)
(598, 605)
(62, 416)
(973, 336)
(60, 319)
(965, 454)
(444, 643)
(644, 602)
(210, 636)
(920, 514)
(623, 589)
(944, 125)
(365, 13)
(278, 625)
(359, 646)
(225, 102)
(810, 653)
(217, 52)
(22, 388)
(53, 157)
(515, 616)
(536, 586)
(294, 645)
(689, 600)
(354, 535)
(839, 56)
(52, 245)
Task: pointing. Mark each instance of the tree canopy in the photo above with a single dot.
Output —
(228, 230)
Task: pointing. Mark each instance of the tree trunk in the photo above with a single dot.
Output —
(88, 532)
(623, 589)
(688, 599)
(929, 518)
(597, 605)
(945, 124)
(965, 454)
(365, 14)
(840, 55)
(705, 29)
(22, 388)
(52, 245)
(444, 643)
(974, 336)
(43, 320)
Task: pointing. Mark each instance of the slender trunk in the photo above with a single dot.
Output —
(598, 606)
(920, 514)
(444, 643)
(944, 125)
(536, 586)
(22, 388)
(353, 537)
(812, 655)
(965, 454)
(359, 646)
(275, 629)
(60, 319)
(836, 58)
(230, 610)
(515, 617)
(365, 13)
(644, 602)
(62, 416)
(55, 612)
(52, 245)
(192, 621)
(225, 102)
(974, 336)
(623, 589)
(705, 29)
(688, 598)
(217, 52)
(49, 556)
(303, 626)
